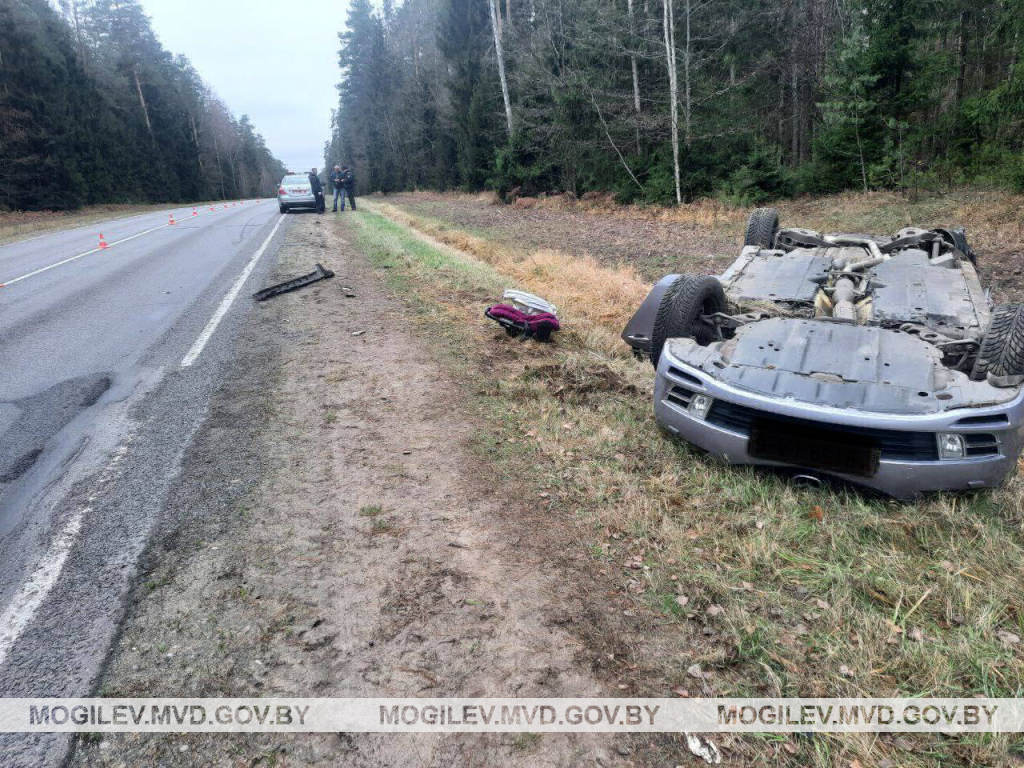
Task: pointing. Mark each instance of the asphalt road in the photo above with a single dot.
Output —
(107, 361)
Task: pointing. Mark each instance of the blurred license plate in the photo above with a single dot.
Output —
(826, 449)
(300, 191)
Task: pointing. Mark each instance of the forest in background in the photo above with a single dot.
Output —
(94, 110)
(670, 100)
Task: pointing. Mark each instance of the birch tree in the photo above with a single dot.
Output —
(673, 91)
(499, 53)
(632, 57)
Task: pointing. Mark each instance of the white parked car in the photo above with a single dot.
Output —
(295, 192)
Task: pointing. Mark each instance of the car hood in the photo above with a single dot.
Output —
(839, 365)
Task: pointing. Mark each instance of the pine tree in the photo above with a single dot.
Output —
(93, 110)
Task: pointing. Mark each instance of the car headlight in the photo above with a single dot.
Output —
(951, 446)
(700, 405)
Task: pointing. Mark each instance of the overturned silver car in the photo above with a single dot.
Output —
(879, 360)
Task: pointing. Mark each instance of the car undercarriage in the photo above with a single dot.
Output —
(878, 359)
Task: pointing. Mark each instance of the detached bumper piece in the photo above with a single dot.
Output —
(320, 273)
(517, 323)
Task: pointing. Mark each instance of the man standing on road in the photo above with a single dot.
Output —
(318, 191)
(349, 182)
(338, 181)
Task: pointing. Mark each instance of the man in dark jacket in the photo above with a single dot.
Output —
(318, 191)
(337, 180)
(349, 182)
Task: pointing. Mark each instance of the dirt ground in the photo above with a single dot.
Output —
(376, 555)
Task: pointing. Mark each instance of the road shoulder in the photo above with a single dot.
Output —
(379, 555)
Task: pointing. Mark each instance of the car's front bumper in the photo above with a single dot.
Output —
(896, 477)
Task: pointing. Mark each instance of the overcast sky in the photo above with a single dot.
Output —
(275, 60)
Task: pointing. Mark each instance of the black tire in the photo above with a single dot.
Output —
(1002, 347)
(689, 297)
(762, 227)
(282, 209)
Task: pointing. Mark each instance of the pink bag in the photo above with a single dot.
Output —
(518, 323)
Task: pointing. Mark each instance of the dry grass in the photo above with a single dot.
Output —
(666, 237)
(597, 299)
(703, 214)
(773, 590)
(993, 213)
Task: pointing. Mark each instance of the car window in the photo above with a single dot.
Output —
(295, 180)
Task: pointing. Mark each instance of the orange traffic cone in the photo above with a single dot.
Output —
(103, 243)
(211, 209)
(171, 222)
(225, 205)
(194, 212)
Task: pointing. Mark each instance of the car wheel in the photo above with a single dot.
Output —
(283, 209)
(679, 313)
(762, 227)
(1002, 347)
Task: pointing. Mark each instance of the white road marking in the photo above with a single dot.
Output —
(225, 305)
(33, 592)
(74, 258)
(91, 225)
(188, 217)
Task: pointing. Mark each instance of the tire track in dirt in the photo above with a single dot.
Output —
(426, 596)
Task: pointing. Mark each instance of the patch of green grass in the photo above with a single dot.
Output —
(390, 245)
(370, 510)
(381, 525)
(526, 742)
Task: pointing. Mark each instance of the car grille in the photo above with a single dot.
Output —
(680, 396)
(894, 444)
(981, 445)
